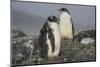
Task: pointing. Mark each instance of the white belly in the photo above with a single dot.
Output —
(57, 37)
(65, 26)
(49, 52)
(57, 45)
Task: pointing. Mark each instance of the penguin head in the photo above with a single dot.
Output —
(63, 10)
(53, 19)
(52, 22)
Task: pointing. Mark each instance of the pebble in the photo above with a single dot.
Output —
(65, 59)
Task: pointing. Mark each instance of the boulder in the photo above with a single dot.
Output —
(87, 41)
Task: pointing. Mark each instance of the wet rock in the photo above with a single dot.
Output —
(22, 49)
(71, 51)
(85, 34)
(87, 41)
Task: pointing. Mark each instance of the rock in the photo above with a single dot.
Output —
(87, 41)
(23, 49)
(85, 34)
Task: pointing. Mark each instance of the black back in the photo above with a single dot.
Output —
(42, 41)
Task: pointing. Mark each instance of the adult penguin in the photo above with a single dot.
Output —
(66, 24)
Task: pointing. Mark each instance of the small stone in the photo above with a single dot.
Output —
(65, 59)
(37, 51)
(39, 59)
(90, 53)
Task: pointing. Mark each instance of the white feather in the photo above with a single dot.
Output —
(57, 37)
(49, 47)
(65, 25)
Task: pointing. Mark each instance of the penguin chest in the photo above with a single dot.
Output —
(65, 26)
(53, 41)
(57, 37)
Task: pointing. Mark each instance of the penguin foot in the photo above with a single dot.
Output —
(50, 56)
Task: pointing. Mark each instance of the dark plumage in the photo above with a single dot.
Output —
(64, 9)
(42, 40)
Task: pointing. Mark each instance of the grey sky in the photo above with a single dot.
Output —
(30, 16)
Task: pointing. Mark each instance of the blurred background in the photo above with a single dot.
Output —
(29, 17)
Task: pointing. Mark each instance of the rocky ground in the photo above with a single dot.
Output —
(71, 51)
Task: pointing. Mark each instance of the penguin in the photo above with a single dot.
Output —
(66, 24)
(49, 38)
